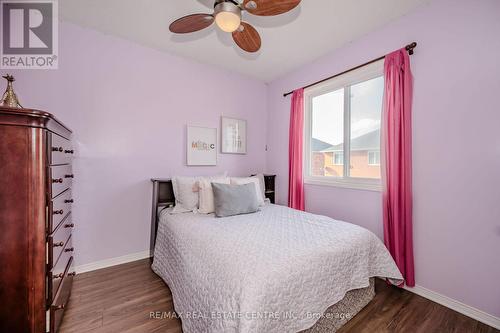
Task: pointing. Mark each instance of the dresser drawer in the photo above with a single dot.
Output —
(61, 178)
(61, 150)
(59, 208)
(61, 299)
(56, 275)
(57, 241)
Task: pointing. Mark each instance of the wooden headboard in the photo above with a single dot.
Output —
(163, 196)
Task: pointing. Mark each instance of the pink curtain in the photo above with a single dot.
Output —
(295, 150)
(397, 160)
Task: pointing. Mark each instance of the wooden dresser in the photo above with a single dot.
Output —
(36, 251)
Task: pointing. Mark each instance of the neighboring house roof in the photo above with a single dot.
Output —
(368, 141)
(318, 145)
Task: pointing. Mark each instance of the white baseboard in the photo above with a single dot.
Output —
(465, 309)
(112, 262)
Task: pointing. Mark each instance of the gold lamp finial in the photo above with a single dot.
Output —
(9, 98)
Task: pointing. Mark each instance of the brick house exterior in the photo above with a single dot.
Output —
(327, 160)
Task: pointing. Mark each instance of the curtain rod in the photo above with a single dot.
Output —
(408, 48)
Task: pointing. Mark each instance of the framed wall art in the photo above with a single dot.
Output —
(201, 146)
(234, 136)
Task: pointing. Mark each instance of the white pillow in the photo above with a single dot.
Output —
(206, 194)
(248, 180)
(186, 194)
(262, 184)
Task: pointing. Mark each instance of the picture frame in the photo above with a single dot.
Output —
(233, 136)
(201, 146)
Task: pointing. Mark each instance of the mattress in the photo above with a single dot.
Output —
(277, 270)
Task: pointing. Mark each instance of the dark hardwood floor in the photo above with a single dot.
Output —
(121, 299)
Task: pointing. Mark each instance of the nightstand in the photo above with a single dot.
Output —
(269, 181)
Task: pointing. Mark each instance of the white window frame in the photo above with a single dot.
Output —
(374, 152)
(362, 74)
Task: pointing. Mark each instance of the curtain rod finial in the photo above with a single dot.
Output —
(410, 47)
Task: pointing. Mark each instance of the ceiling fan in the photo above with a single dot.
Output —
(227, 16)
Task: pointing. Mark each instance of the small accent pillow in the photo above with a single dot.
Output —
(206, 193)
(186, 194)
(250, 180)
(235, 199)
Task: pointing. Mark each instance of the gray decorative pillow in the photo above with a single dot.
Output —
(232, 200)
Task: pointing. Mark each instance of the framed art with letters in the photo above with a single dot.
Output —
(201, 146)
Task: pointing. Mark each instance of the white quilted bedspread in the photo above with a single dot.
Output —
(272, 271)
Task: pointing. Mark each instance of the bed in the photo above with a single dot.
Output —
(277, 270)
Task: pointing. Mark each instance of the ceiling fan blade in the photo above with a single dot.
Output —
(247, 38)
(191, 23)
(269, 7)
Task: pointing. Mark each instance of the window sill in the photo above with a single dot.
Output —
(361, 184)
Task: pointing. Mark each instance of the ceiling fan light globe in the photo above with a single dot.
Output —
(227, 21)
(227, 16)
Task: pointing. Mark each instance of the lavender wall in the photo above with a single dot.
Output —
(128, 107)
(456, 145)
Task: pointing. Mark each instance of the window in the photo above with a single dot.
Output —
(339, 159)
(374, 158)
(342, 129)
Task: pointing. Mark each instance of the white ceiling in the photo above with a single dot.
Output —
(288, 41)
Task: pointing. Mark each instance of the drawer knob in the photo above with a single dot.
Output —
(59, 244)
(68, 201)
(69, 176)
(60, 149)
(58, 307)
(69, 225)
(72, 274)
(59, 276)
(71, 249)
(69, 151)
(56, 212)
(57, 180)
